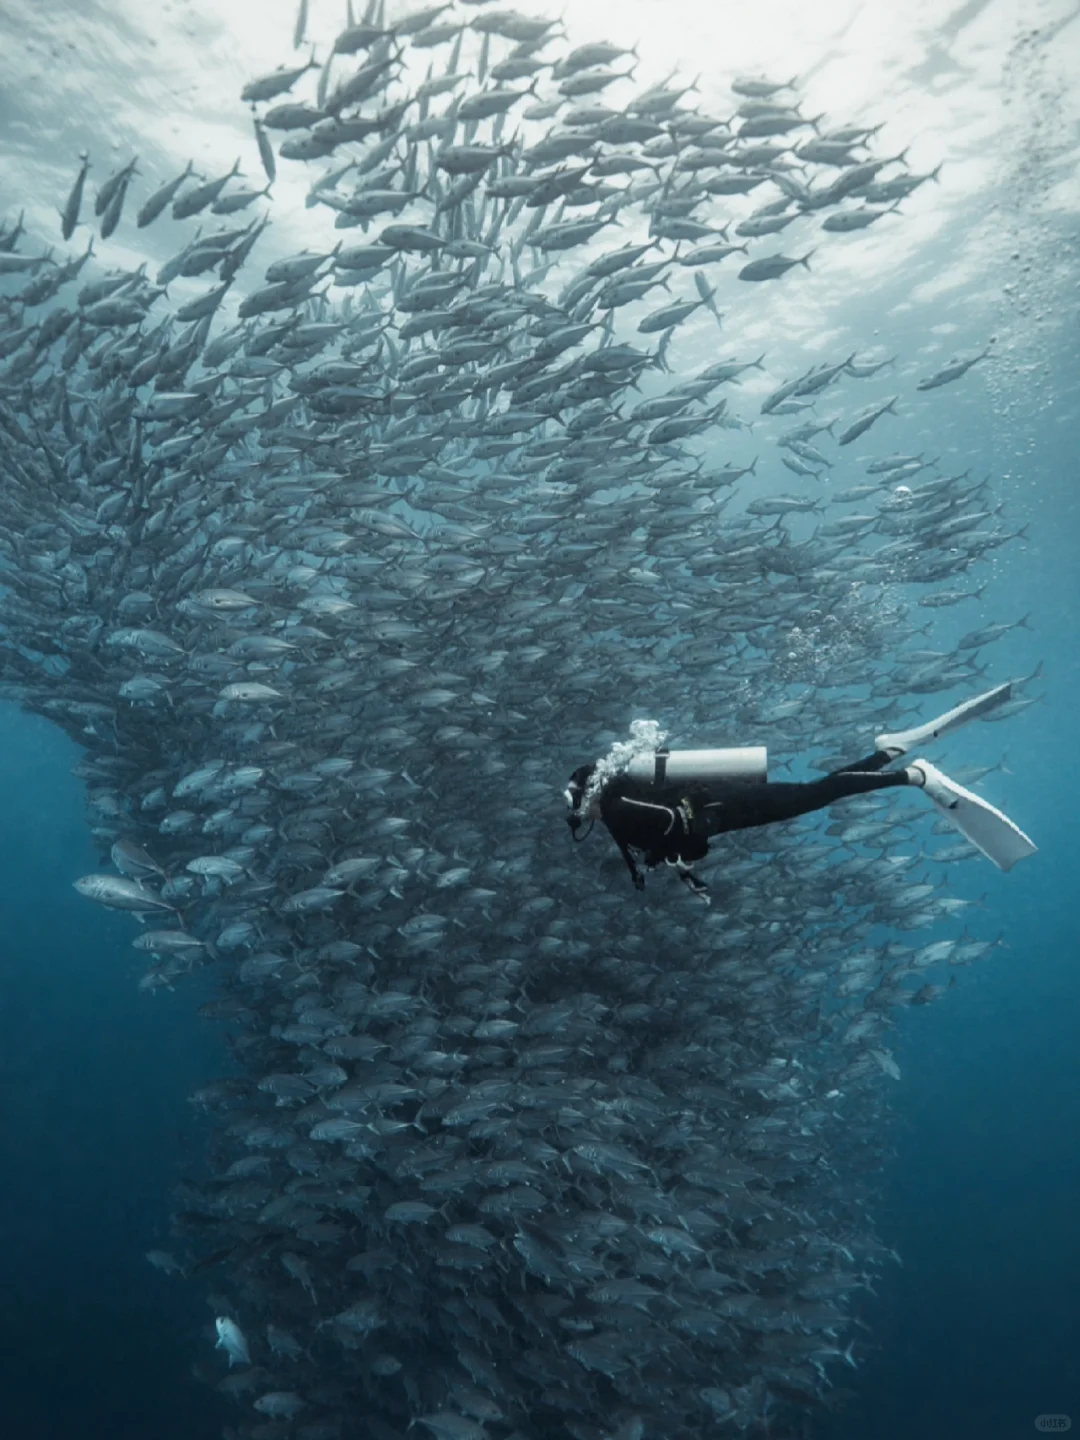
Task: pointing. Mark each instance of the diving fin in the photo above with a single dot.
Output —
(905, 740)
(999, 839)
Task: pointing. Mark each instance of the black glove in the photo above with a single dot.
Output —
(697, 886)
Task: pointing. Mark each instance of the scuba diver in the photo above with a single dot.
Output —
(665, 805)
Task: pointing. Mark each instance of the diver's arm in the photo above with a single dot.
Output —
(638, 823)
(700, 889)
(631, 864)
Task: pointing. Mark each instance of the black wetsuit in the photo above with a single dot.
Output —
(673, 823)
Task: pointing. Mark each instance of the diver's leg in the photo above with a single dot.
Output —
(877, 761)
(741, 807)
(631, 864)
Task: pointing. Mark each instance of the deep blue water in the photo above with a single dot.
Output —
(975, 1335)
(95, 1131)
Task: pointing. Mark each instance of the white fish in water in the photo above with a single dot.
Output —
(952, 371)
(249, 690)
(231, 1340)
(119, 893)
(165, 1262)
(862, 422)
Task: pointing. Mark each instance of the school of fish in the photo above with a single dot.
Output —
(337, 569)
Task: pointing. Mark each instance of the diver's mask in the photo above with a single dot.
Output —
(573, 795)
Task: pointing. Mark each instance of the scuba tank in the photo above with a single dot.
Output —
(676, 767)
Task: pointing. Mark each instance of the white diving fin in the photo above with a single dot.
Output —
(990, 831)
(905, 740)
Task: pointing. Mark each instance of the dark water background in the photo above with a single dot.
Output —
(975, 1335)
(95, 1130)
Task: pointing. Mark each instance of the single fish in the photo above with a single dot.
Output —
(120, 894)
(69, 216)
(231, 1340)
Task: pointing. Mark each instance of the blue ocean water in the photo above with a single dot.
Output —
(96, 1132)
(973, 1335)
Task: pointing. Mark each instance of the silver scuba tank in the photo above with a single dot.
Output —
(677, 767)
